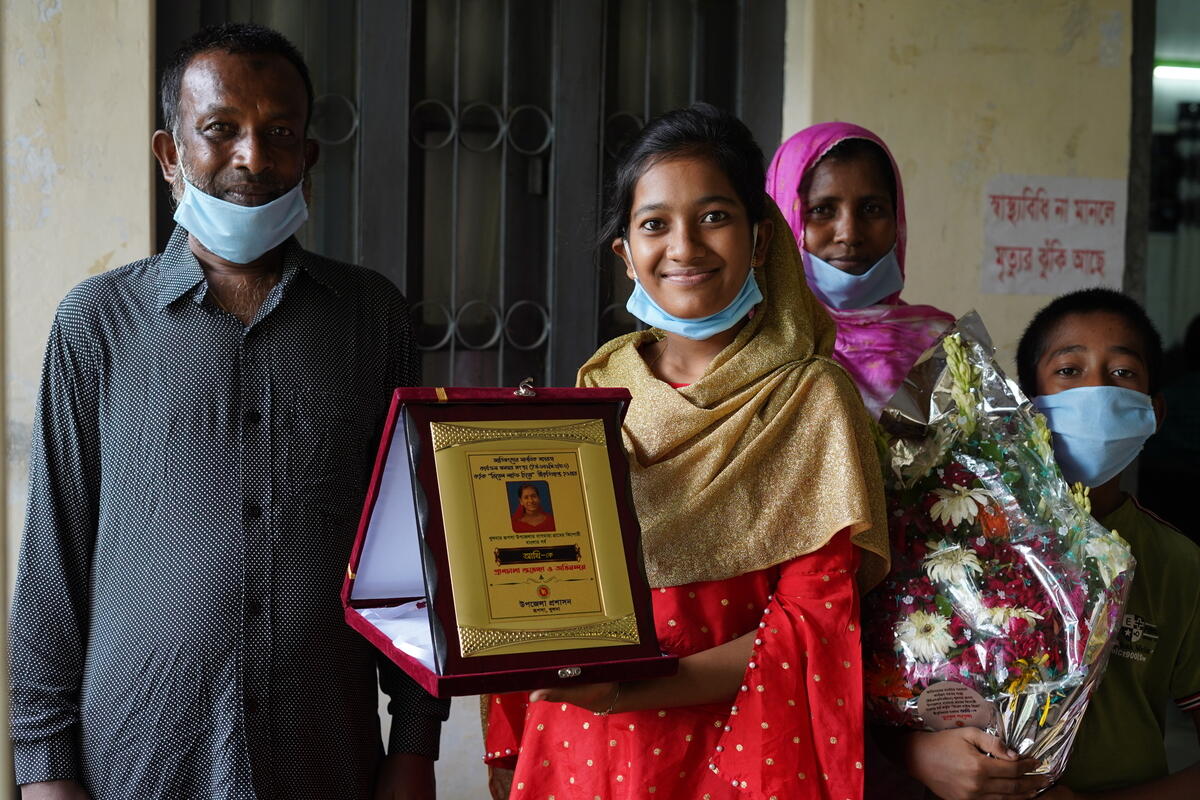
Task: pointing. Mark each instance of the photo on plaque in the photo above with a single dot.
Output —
(530, 506)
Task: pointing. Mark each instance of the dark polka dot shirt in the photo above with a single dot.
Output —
(195, 486)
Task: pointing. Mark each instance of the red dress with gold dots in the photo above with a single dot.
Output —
(795, 729)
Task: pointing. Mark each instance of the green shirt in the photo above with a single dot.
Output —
(1155, 660)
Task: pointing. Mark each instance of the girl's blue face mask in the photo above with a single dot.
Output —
(1098, 430)
(642, 306)
(838, 289)
(236, 233)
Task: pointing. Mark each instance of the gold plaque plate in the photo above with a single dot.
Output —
(533, 536)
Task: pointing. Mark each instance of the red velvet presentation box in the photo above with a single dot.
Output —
(461, 574)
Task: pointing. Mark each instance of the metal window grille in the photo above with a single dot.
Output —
(466, 144)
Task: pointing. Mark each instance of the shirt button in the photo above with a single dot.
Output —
(253, 510)
(254, 607)
(253, 417)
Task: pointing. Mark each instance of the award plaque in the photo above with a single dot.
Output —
(498, 547)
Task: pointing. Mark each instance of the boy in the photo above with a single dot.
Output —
(1092, 361)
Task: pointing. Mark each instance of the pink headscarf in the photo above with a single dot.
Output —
(878, 344)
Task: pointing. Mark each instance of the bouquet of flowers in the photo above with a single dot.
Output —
(1004, 593)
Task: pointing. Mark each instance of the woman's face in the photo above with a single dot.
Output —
(530, 501)
(690, 237)
(849, 217)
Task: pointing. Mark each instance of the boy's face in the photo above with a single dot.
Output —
(1097, 348)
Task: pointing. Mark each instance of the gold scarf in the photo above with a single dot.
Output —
(765, 458)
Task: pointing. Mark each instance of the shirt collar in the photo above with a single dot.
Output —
(179, 272)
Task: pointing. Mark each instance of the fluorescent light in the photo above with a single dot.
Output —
(1177, 73)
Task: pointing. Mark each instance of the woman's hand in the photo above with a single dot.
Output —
(599, 698)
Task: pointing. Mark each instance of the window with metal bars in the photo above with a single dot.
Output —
(466, 144)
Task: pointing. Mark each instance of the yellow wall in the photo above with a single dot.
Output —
(76, 115)
(962, 91)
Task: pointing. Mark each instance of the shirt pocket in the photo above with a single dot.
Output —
(329, 447)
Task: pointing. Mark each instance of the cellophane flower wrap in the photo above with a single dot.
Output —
(1004, 594)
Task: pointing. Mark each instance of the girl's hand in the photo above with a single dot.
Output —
(599, 698)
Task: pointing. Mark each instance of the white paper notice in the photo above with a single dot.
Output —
(1050, 235)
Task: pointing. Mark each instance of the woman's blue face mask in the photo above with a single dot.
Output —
(843, 290)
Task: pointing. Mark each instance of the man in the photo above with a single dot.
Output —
(199, 459)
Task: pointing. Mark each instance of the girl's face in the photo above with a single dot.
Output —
(849, 217)
(690, 237)
(530, 501)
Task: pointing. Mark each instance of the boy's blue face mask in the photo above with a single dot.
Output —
(1098, 430)
(236, 233)
(838, 289)
(642, 306)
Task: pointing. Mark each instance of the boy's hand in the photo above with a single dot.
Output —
(968, 764)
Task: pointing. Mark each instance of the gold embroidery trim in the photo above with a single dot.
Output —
(449, 434)
(441, 394)
(476, 640)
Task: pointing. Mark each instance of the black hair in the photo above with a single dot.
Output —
(1087, 301)
(521, 489)
(855, 150)
(231, 37)
(700, 130)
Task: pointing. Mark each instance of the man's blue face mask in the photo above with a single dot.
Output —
(1098, 430)
(236, 233)
(642, 305)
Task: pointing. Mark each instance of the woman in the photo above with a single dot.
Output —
(839, 189)
(530, 517)
(737, 414)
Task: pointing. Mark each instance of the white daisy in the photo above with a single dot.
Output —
(1111, 554)
(950, 562)
(1000, 615)
(958, 504)
(925, 636)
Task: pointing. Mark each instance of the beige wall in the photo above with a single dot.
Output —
(76, 116)
(962, 91)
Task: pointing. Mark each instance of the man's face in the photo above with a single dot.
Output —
(240, 132)
(1098, 348)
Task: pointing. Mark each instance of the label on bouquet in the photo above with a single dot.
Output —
(950, 704)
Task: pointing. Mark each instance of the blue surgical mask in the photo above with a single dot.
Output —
(1098, 430)
(240, 233)
(642, 306)
(838, 289)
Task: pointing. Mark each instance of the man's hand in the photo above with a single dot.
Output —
(500, 782)
(595, 697)
(53, 790)
(968, 764)
(404, 776)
